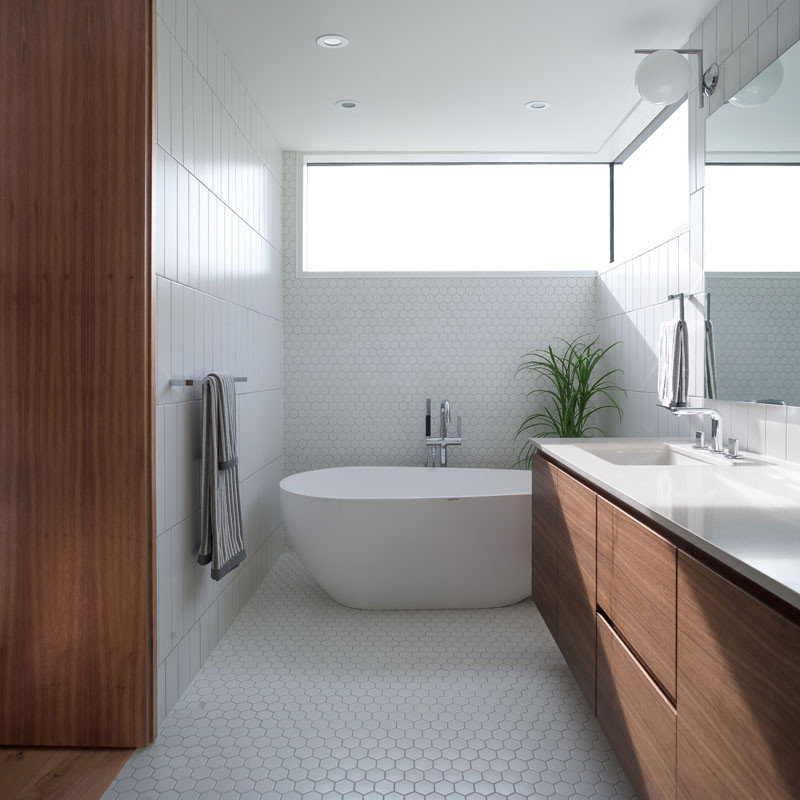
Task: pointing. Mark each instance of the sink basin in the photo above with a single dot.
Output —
(638, 454)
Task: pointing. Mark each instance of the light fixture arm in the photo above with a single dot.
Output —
(708, 79)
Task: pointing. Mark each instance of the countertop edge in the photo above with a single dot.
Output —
(771, 585)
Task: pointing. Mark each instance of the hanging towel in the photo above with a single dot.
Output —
(711, 363)
(221, 541)
(673, 364)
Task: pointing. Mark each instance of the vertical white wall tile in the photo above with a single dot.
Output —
(748, 59)
(724, 29)
(775, 433)
(793, 434)
(176, 99)
(768, 42)
(163, 80)
(757, 13)
(788, 24)
(164, 595)
(205, 257)
(756, 428)
(740, 26)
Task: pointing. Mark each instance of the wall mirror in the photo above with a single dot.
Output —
(752, 238)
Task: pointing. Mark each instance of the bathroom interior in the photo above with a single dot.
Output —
(402, 400)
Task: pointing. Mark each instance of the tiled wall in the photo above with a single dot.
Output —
(362, 354)
(756, 334)
(744, 37)
(217, 255)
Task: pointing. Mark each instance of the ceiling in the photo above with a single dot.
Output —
(451, 75)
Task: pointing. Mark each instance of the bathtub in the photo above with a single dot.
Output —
(410, 537)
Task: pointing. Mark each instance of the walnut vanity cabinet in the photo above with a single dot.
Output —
(636, 716)
(636, 577)
(563, 571)
(544, 585)
(695, 681)
(577, 573)
(738, 692)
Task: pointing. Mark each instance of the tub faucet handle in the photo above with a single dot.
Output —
(458, 427)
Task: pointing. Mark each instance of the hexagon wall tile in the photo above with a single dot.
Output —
(305, 699)
(362, 354)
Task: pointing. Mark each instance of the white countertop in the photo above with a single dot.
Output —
(746, 515)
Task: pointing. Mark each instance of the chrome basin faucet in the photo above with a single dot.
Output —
(442, 441)
(716, 423)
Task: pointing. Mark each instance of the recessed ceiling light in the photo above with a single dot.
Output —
(347, 104)
(537, 105)
(332, 41)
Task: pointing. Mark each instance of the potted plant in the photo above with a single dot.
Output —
(573, 392)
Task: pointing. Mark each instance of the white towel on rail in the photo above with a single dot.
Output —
(221, 540)
(673, 364)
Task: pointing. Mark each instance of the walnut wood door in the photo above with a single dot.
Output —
(577, 572)
(544, 582)
(738, 692)
(76, 395)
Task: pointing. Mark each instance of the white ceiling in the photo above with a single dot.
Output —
(450, 75)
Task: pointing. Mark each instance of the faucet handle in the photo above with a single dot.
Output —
(458, 427)
(733, 448)
(699, 440)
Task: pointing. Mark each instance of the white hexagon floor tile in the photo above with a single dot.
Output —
(305, 699)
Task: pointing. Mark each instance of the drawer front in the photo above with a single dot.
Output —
(637, 718)
(636, 588)
(544, 519)
(577, 577)
(739, 690)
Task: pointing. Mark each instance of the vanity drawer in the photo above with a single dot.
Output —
(636, 716)
(636, 580)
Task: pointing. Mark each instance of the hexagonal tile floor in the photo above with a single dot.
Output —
(305, 699)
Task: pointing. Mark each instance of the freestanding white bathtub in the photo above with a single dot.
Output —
(410, 537)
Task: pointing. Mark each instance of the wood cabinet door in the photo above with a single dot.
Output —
(544, 532)
(636, 716)
(577, 572)
(738, 692)
(636, 588)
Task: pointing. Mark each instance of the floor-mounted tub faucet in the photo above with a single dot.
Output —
(442, 441)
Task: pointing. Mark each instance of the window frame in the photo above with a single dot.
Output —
(305, 159)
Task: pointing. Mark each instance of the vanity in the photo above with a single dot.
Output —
(670, 579)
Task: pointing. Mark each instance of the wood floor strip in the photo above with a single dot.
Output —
(46, 773)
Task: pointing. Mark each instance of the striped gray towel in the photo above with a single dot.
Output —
(711, 363)
(673, 364)
(221, 541)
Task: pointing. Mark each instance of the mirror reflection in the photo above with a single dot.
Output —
(752, 238)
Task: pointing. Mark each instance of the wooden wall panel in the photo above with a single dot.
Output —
(76, 395)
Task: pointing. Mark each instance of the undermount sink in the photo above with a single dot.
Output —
(637, 454)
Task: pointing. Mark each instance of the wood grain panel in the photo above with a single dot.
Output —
(544, 582)
(77, 422)
(66, 773)
(577, 573)
(636, 580)
(738, 692)
(637, 718)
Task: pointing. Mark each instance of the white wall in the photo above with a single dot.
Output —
(217, 256)
(363, 353)
(744, 37)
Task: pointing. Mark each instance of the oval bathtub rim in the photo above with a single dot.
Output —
(285, 485)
